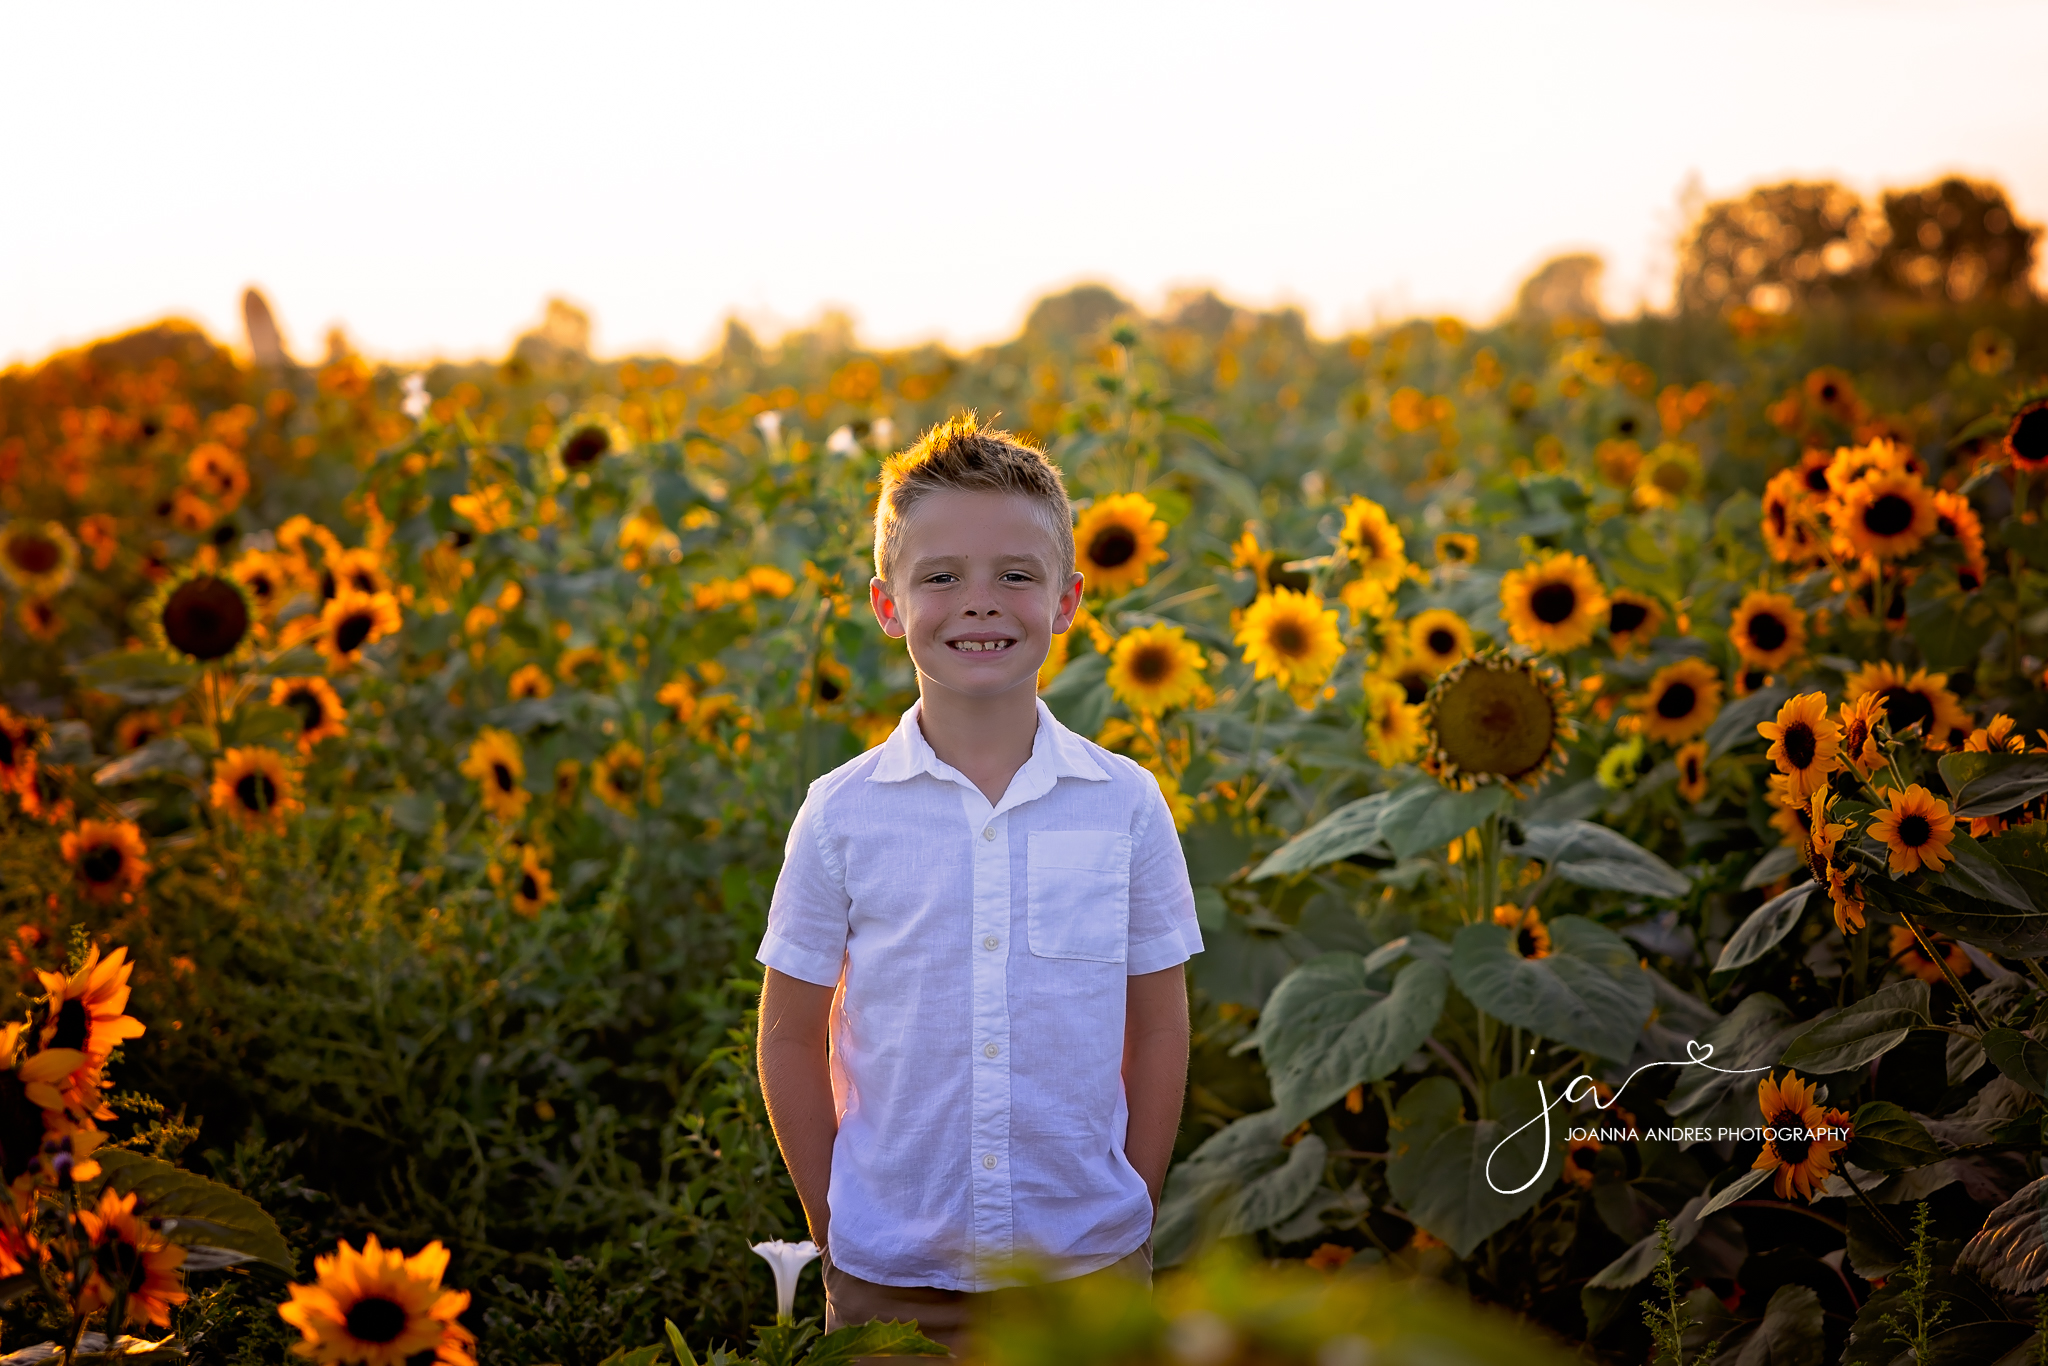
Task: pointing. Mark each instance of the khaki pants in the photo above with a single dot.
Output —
(944, 1316)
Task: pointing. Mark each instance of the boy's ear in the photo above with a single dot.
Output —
(885, 609)
(1069, 604)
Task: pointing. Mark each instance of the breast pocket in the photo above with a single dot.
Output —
(1079, 888)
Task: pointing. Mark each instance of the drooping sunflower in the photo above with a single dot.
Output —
(1374, 543)
(38, 559)
(1632, 618)
(379, 1307)
(536, 885)
(1438, 639)
(584, 441)
(1801, 1149)
(1917, 827)
(1886, 516)
(1907, 952)
(1155, 669)
(1805, 744)
(1553, 603)
(1492, 718)
(2026, 439)
(529, 681)
(1292, 639)
(353, 620)
(499, 767)
(1668, 476)
(1769, 630)
(1532, 937)
(321, 714)
(1692, 771)
(1791, 814)
(256, 787)
(1457, 547)
(621, 778)
(1683, 700)
(1393, 725)
(1823, 836)
(1789, 516)
(131, 1257)
(1859, 719)
(1919, 698)
(1117, 541)
(1845, 897)
(204, 616)
(109, 858)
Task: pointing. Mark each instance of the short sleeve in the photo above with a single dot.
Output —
(1164, 931)
(807, 919)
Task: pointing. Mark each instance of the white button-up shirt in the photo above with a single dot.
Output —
(977, 1035)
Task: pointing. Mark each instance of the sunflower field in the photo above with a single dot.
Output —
(1611, 757)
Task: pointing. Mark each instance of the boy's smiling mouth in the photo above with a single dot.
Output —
(981, 644)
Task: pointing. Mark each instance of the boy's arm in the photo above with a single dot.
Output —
(796, 1081)
(1155, 1070)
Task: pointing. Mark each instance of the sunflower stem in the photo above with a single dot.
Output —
(1891, 1230)
(1940, 960)
(2034, 970)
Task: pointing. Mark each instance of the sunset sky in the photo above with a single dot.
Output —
(425, 175)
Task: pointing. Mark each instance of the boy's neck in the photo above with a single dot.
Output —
(986, 738)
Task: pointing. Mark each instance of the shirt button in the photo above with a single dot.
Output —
(988, 832)
(989, 1162)
(990, 1051)
(990, 942)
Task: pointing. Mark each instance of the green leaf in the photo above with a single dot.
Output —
(1325, 1030)
(169, 754)
(635, 1356)
(2020, 1057)
(195, 1211)
(1590, 993)
(1737, 723)
(1642, 1257)
(1436, 1161)
(1735, 1190)
(1888, 1139)
(1772, 866)
(2008, 1252)
(1989, 925)
(1750, 1037)
(146, 678)
(1427, 815)
(684, 1356)
(1594, 856)
(1199, 1184)
(1791, 1333)
(1869, 1029)
(1976, 874)
(1766, 925)
(879, 1338)
(1278, 1194)
(1351, 829)
(778, 1344)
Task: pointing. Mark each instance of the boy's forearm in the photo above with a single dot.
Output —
(796, 1083)
(1155, 1072)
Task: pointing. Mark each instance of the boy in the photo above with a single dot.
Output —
(974, 1027)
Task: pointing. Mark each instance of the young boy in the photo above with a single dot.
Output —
(974, 1027)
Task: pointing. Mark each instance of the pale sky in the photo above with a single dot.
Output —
(425, 174)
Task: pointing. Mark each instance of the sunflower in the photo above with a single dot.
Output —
(1683, 700)
(1618, 460)
(219, 473)
(1554, 603)
(2000, 737)
(203, 616)
(354, 571)
(1492, 718)
(20, 738)
(621, 778)
(87, 1009)
(1374, 543)
(1620, 766)
(1799, 1149)
(1438, 639)
(379, 1307)
(99, 533)
(1692, 771)
(1668, 476)
(1532, 938)
(37, 558)
(585, 440)
(568, 773)
(321, 714)
(529, 681)
(498, 766)
(1413, 676)
(1805, 744)
(1846, 900)
(1579, 1158)
(1860, 718)
(108, 856)
(131, 1260)
(1155, 669)
(1769, 630)
(1393, 725)
(1917, 827)
(1292, 639)
(1632, 618)
(1788, 512)
(1886, 516)
(1956, 519)
(1177, 804)
(40, 619)
(584, 667)
(1457, 547)
(1823, 836)
(1056, 651)
(266, 577)
(830, 680)
(1917, 699)
(190, 513)
(256, 787)
(2026, 439)
(1117, 541)
(1907, 952)
(352, 620)
(536, 886)
(135, 730)
(1790, 813)
(1834, 393)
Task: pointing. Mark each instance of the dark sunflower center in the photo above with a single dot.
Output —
(1888, 515)
(529, 890)
(1441, 641)
(34, 554)
(74, 1025)
(1415, 684)
(375, 1319)
(352, 630)
(120, 1261)
(1800, 744)
(502, 776)
(1112, 546)
(1526, 943)
(1830, 394)
(102, 863)
(1289, 639)
(1791, 1151)
(1778, 515)
(1914, 831)
(1767, 631)
(6, 749)
(1817, 478)
(1967, 577)
(1151, 666)
(1691, 768)
(256, 792)
(327, 584)
(585, 448)
(2029, 436)
(1585, 1158)
(625, 778)
(1903, 707)
(1368, 546)
(828, 689)
(263, 586)
(363, 581)
(307, 706)
(1554, 603)
(1677, 702)
(206, 618)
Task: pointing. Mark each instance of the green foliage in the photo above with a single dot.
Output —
(1920, 1310)
(1668, 1321)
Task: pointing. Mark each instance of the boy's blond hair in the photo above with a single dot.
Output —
(959, 454)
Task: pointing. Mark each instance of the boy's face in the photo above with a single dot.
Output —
(976, 592)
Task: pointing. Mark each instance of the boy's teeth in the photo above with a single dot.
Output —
(978, 646)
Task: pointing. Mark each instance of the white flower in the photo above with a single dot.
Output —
(882, 433)
(842, 441)
(770, 424)
(788, 1261)
(416, 401)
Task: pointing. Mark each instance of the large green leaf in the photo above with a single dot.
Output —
(1595, 856)
(1766, 925)
(1427, 815)
(1203, 1189)
(145, 678)
(195, 1211)
(1989, 925)
(1278, 1194)
(1590, 993)
(1791, 1332)
(1437, 1161)
(1325, 1030)
(1750, 1037)
(2019, 1056)
(169, 754)
(1735, 1190)
(1889, 1139)
(880, 1338)
(1977, 874)
(1737, 723)
(1352, 829)
(2010, 1253)
(1867, 1030)
(1984, 784)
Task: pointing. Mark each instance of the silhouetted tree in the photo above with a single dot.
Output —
(1562, 287)
(1955, 240)
(1779, 247)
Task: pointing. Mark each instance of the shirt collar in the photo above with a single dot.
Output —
(1056, 752)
